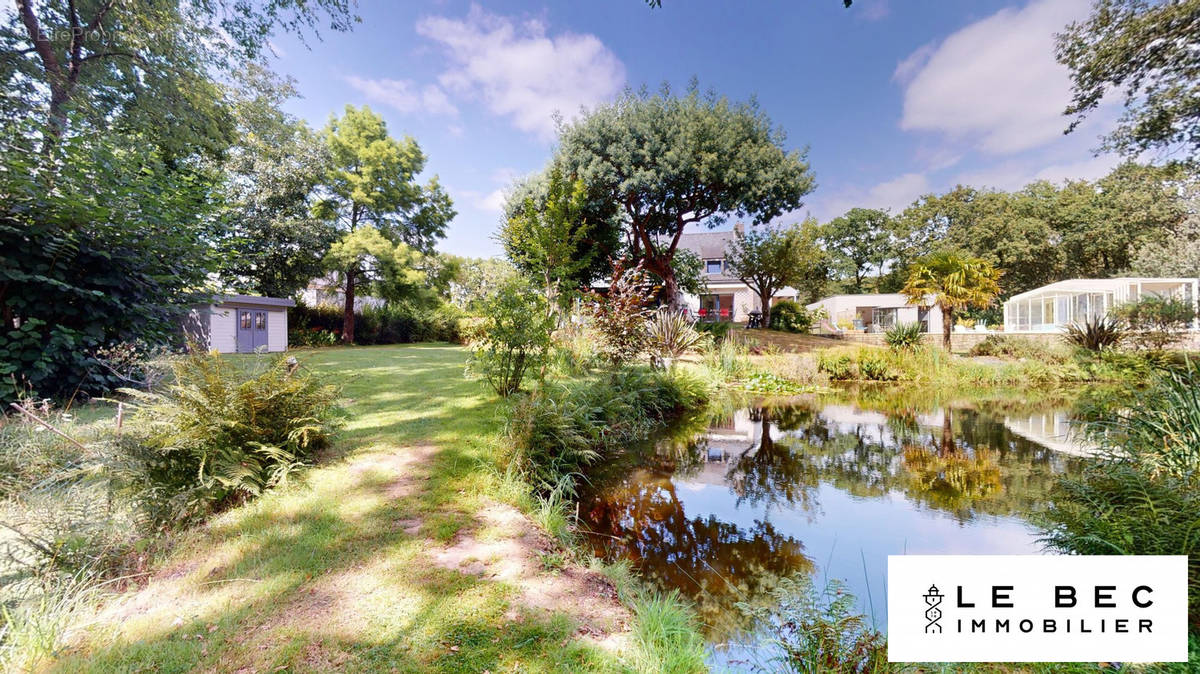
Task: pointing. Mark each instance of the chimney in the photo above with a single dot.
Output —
(739, 229)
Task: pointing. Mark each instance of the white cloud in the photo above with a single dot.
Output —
(522, 73)
(405, 95)
(493, 202)
(994, 83)
(895, 194)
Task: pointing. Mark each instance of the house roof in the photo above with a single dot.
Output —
(710, 246)
(1097, 285)
(254, 299)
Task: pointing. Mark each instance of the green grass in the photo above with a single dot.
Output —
(331, 571)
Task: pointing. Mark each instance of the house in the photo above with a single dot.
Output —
(878, 312)
(727, 298)
(1053, 307)
(240, 323)
(327, 290)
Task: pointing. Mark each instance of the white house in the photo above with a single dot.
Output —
(878, 312)
(240, 323)
(1053, 307)
(728, 298)
(326, 290)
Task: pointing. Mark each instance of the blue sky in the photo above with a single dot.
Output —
(893, 98)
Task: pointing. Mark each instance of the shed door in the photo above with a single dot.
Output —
(245, 330)
(260, 329)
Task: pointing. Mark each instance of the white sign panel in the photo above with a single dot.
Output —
(1037, 608)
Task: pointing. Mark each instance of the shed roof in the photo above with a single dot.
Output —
(254, 299)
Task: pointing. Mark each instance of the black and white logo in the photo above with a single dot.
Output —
(933, 599)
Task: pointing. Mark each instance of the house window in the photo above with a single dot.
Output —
(712, 266)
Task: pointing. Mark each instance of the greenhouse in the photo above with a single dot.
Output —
(1053, 307)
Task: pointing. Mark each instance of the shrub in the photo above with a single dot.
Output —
(719, 330)
(557, 432)
(312, 337)
(903, 336)
(839, 366)
(1008, 346)
(789, 316)
(1096, 334)
(670, 335)
(516, 337)
(875, 367)
(728, 359)
(620, 315)
(218, 435)
(1156, 322)
(817, 631)
(394, 323)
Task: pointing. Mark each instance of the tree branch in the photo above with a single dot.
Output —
(41, 43)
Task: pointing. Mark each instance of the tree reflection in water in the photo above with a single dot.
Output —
(776, 458)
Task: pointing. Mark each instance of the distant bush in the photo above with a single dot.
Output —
(789, 316)
(729, 359)
(838, 366)
(1155, 322)
(218, 435)
(718, 329)
(514, 337)
(875, 367)
(1096, 334)
(1009, 346)
(903, 336)
(397, 323)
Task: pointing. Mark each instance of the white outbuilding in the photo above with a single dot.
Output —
(1053, 307)
(241, 324)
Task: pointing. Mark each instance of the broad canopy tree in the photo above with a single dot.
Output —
(669, 161)
(372, 182)
(861, 239)
(769, 259)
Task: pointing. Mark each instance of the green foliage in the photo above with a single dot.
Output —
(718, 329)
(1009, 346)
(860, 239)
(789, 316)
(839, 366)
(1097, 333)
(548, 239)
(666, 636)
(729, 359)
(670, 334)
(904, 336)
(873, 366)
(1144, 51)
(477, 279)
(621, 315)
(515, 337)
(394, 323)
(816, 631)
(103, 251)
(711, 158)
(768, 383)
(954, 282)
(379, 266)
(1159, 431)
(769, 259)
(1156, 322)
(218, 435)
(558, 431)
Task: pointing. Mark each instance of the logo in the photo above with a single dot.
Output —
(933, 599)
(1037, 608)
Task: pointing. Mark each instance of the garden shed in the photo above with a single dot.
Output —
(241, 323)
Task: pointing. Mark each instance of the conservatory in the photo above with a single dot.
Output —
(1053, 307)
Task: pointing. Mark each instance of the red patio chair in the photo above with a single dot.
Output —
(724, 314)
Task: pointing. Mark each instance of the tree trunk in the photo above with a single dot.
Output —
(764, 299)
(947, 326)
(663, 269)
(947, 445)
(348, 309)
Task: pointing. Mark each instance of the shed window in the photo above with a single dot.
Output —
(246, 320)
(260, 320)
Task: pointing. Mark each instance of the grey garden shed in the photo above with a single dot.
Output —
(241, 323)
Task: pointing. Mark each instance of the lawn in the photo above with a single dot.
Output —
(400, 552)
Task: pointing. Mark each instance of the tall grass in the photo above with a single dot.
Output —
(665, 636)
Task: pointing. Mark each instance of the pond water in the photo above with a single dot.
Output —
(826, 487)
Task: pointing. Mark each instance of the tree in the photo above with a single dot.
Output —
(270, 243)
(372, 181)
(516, 336)
(955, 282)
(148, 64)
(477, 280)
(769, 259)
(1147, 51)
(386, 269)
(666, 162)
(861, 239)
(547, 240)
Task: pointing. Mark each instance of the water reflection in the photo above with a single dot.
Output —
(828, 486)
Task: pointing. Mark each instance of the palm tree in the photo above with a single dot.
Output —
(955, 282)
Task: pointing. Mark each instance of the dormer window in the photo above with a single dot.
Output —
(712, 267)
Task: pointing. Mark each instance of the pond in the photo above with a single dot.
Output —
(826, 487)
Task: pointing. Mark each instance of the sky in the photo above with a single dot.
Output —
(892, 98)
